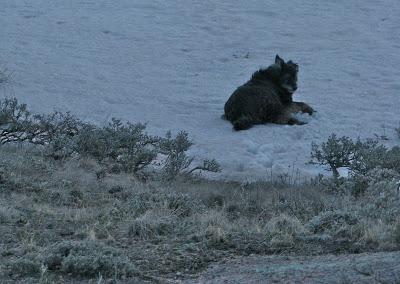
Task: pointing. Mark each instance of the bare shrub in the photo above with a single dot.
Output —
(177, 161)
(15, 122)
(175, 151)
(54, 131)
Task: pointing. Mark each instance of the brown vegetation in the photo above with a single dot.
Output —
(60, 223)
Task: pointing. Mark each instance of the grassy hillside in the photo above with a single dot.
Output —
(60, 221)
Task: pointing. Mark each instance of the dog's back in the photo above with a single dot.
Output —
(252, 103)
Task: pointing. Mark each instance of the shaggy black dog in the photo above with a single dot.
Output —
(266, 97)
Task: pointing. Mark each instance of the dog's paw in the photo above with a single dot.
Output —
(308, 109)
(295, 121)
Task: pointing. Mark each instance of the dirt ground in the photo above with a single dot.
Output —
(354, 268)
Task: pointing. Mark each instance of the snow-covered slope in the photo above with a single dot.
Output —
(174, 63)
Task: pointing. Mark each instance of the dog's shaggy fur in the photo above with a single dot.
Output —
(266, 97)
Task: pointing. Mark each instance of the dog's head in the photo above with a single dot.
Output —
(285, 74)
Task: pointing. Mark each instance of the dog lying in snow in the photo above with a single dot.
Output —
(266, 97)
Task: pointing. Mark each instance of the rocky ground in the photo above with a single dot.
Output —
(347, 268)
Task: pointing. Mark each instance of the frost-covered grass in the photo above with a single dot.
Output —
(59, 222)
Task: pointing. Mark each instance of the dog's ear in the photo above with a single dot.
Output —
(295, 66)
(275, 70)
(279, 61)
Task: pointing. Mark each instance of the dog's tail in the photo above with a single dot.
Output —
(242, 123)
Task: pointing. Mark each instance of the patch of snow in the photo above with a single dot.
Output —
(343, 171)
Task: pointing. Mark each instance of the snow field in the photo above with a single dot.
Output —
(174, 63)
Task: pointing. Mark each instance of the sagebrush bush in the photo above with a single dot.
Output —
(370, 154)
(175, 151)
(335, 153)
(86, 259)
(125, 146)
(117, 146)
(360, 157)
(381, 199)
(17, 124)
(23, 267)
(177, 161)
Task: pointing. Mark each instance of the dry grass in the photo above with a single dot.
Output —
(60, 223)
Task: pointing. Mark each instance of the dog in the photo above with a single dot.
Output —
(267, 98)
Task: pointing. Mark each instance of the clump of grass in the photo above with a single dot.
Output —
(284, 224)
(214, 227)
(87, 259)
(283, 229)
(304, 203)
(376, 233)
(180, 204)
(23, 266)
(335, 223)
(153, 224)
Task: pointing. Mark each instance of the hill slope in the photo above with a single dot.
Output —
(174, 64)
